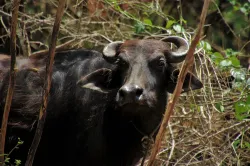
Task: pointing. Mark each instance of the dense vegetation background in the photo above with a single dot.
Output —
(210, 126)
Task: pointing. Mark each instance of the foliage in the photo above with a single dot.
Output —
(16, 161)
(242, 109)
(243, 7)
(231, 64)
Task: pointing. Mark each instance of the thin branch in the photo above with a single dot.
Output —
(47, 85)
(24, 40)
(221, 15)
(173, 144)
(22, 34)
(188, 62)
(58, 48)
(10, 92)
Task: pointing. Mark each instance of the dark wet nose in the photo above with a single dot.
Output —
(129, 94)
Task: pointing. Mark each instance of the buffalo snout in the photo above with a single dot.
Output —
(129, 94)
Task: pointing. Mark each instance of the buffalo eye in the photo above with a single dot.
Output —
(159, 63)
(121, 62)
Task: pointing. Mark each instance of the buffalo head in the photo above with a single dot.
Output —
(144, 73)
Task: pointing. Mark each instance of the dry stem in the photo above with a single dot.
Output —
(188, 62)
(58, 48)
(47, 85)
(10, 92)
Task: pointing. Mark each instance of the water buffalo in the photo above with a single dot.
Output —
(101, 105)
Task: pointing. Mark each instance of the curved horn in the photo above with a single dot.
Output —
(110, 51)
(182, 49)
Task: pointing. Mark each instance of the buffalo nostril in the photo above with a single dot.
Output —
(138, 92)
(121, 93)
(129, 94)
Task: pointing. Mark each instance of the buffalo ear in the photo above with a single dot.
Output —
(190, 83)
(98, 80)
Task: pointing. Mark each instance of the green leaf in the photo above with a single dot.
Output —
(7, 160)
(225, 63)
(238, 85)
(248, 100)
(217, 58)
(217, 55)
(17, 162)
(241, 110)
(247, 145)
(147, 21)
(235, 61)
(205, 45)
(236, 143)
(149, 24)
(230, 53)
(183, 20)
(145, 13)
(170, 23)
(238, 74)
(139, 27)
(244, 10)
(178, 28)
(248, 82)
(233, 2)
(220, 107)
(20, 142)
(248, 104)
(240, 107)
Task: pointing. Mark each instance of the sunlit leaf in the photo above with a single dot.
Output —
(230, 53)
(239, 75)
(241, 110)
(183, 20)
(233, 2)
(225, 63)
(248, 82)
(235, 61)
(178, 28)
(170, 23)
(217, 57)
(147, 21)
(220, 107)
(7, 160)
(205, 45)
(17, 162)
(148, 24)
